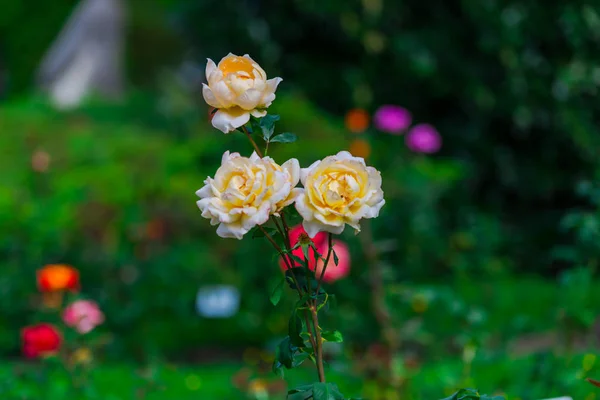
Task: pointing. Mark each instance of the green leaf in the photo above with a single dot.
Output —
(267, 125)
(285, 137)
(278, 368)
(326, 391)
(300, 273)
(255, 125)
(471, 394)
(336, 260)
(303, 392)
(333, 336)
(276, 293)
(285, 353)
(322, 299)
(300, 358)
(297, 259)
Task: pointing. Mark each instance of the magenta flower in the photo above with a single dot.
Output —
(423, 138)
(392, 119)
(83, 315)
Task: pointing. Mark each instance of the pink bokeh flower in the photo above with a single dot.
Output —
(333, 272)
(423, 138)
(392, 119)
(83, 316)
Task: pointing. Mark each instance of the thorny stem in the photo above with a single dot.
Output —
(289, 264)
(286, 229)
(284, 234)
(315, 337)
(253, 142)
(330, 244)
(319, 353)
(315, 316)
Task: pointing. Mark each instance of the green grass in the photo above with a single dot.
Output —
(533, 377)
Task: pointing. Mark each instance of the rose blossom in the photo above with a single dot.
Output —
(238, 88)
(338, 190)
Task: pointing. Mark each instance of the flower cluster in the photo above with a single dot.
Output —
(46, 339)
(395, 120)
(245, 191)
(249, 192)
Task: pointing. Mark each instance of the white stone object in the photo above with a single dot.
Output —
(87, 55)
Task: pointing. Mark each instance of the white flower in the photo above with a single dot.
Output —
(246, 191)
(338, 190)
(237, 87)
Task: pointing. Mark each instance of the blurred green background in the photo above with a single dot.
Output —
(489, 247)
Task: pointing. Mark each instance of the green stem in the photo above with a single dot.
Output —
(289, 266)
(330, 244)
(252, 141)
(319, 350)
(315, 317)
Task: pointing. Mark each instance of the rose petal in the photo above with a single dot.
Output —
(229, 119)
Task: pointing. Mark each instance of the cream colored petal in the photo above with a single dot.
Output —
(209, 97)
(344, 155)
(258, 113)
(373, 211)
(249, 100)
(235, 231)
(254, 157)
(294, 194)
(229, 119)
(314, 227)
(259, 217)
(205, 191)
(215, 77)
(211, 67)
(224, 95)
(292, 167)
(272, 84)
(281, 188)
(267, 100)
(260, 85)
(227, 156)
(305, 172)
(303, 208)
(238, 85)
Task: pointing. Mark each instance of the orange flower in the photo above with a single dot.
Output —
(57, 277)
(357, 120)
(360, 148)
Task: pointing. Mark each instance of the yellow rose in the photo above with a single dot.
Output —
(246, 191)
(338, 190)
(237, 87)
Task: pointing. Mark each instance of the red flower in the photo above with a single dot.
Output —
(58, 277)
(40, 340)
(333, 272)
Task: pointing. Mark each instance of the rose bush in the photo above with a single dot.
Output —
(249, 192)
